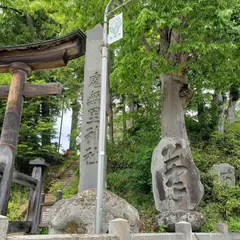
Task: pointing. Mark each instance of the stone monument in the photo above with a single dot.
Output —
(91, 107)
(176, 183)
(225, 173)
(78, 213)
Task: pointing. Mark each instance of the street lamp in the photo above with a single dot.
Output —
(102, 124)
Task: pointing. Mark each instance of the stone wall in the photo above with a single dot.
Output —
(215, 236)
(65, 237)
(119, 229)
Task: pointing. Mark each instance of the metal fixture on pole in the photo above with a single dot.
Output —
(102, 125)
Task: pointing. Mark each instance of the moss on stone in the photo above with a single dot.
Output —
(72, 227)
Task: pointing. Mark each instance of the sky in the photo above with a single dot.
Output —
(66, 128)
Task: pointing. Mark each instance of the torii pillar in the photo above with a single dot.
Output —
(20, 61)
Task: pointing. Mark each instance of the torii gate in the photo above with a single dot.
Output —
(20, 61)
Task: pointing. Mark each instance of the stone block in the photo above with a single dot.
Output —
(91, 109)
(158, 236)
(184, 227)
(225, 173)
(209, 236)
(3, 227)
(221, 228)
(169, 219)
(175, 178)
(121, 228)
(65, 237)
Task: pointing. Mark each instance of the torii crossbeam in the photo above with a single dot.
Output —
(20, 61)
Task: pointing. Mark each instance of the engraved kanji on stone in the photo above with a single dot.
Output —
(94, 98)
(89, 157)
(92, 134)
(95, 80)
(91, 107)
(174, 171)
(176, 179)
(93, 114)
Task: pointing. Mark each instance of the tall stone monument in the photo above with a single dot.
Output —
(91, 108)
(176, 183)
(78, 213)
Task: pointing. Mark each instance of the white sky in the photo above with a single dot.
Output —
(66, 128)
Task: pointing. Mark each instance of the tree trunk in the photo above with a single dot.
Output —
(124, 121)
(175, 95)
(200, 109)
(131, 109)
(218, 101)
(76, 106)
(175, 88)
(30, 24)
(233, 98)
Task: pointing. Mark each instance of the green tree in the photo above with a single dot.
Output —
(20, 24)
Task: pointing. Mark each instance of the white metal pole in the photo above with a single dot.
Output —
(102, 125)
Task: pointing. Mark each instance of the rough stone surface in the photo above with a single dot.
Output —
(142, 236)
(225, 173)
(121, 228)
(77, 214)
(184, 227)
(65, 237)
(221, 228)
(3, 227)
(91, 109)
(211, 236)
(175, 178)
(158, 236)
(171, 218)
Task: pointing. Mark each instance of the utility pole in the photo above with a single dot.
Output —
(102, 125)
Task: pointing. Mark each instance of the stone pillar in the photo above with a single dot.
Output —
(121, 228)
(91, 110)
(184, 227)
(3, 227)
(222, 228)
(177, 188)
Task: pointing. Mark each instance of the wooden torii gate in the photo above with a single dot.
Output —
(20, 61)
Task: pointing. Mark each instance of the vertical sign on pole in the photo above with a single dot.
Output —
(115, 28)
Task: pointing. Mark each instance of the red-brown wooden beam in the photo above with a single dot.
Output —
(45, 55)
(10, 129)
(34, 90)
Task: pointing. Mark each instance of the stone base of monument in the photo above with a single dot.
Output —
(169, 219)
(77, 214)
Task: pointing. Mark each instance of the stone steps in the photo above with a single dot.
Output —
(49, 198)
(65, 180)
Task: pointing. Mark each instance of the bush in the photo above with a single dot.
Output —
(234, 224)
(18, 197)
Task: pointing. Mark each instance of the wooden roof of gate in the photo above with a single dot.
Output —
(44, 55)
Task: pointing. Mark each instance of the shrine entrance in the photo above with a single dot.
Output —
(20, 61)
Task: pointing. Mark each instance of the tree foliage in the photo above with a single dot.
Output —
(194, 42)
